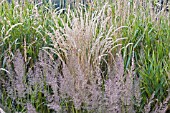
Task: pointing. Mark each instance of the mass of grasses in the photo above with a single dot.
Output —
(108, 56)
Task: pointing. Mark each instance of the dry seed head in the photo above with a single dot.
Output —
(30, 108)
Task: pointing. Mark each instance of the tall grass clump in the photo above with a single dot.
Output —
(103, 57)
(85, 45)
(19, 23)
(149, 33)
(21, 37)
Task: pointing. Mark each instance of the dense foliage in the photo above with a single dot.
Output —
(95, 58)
